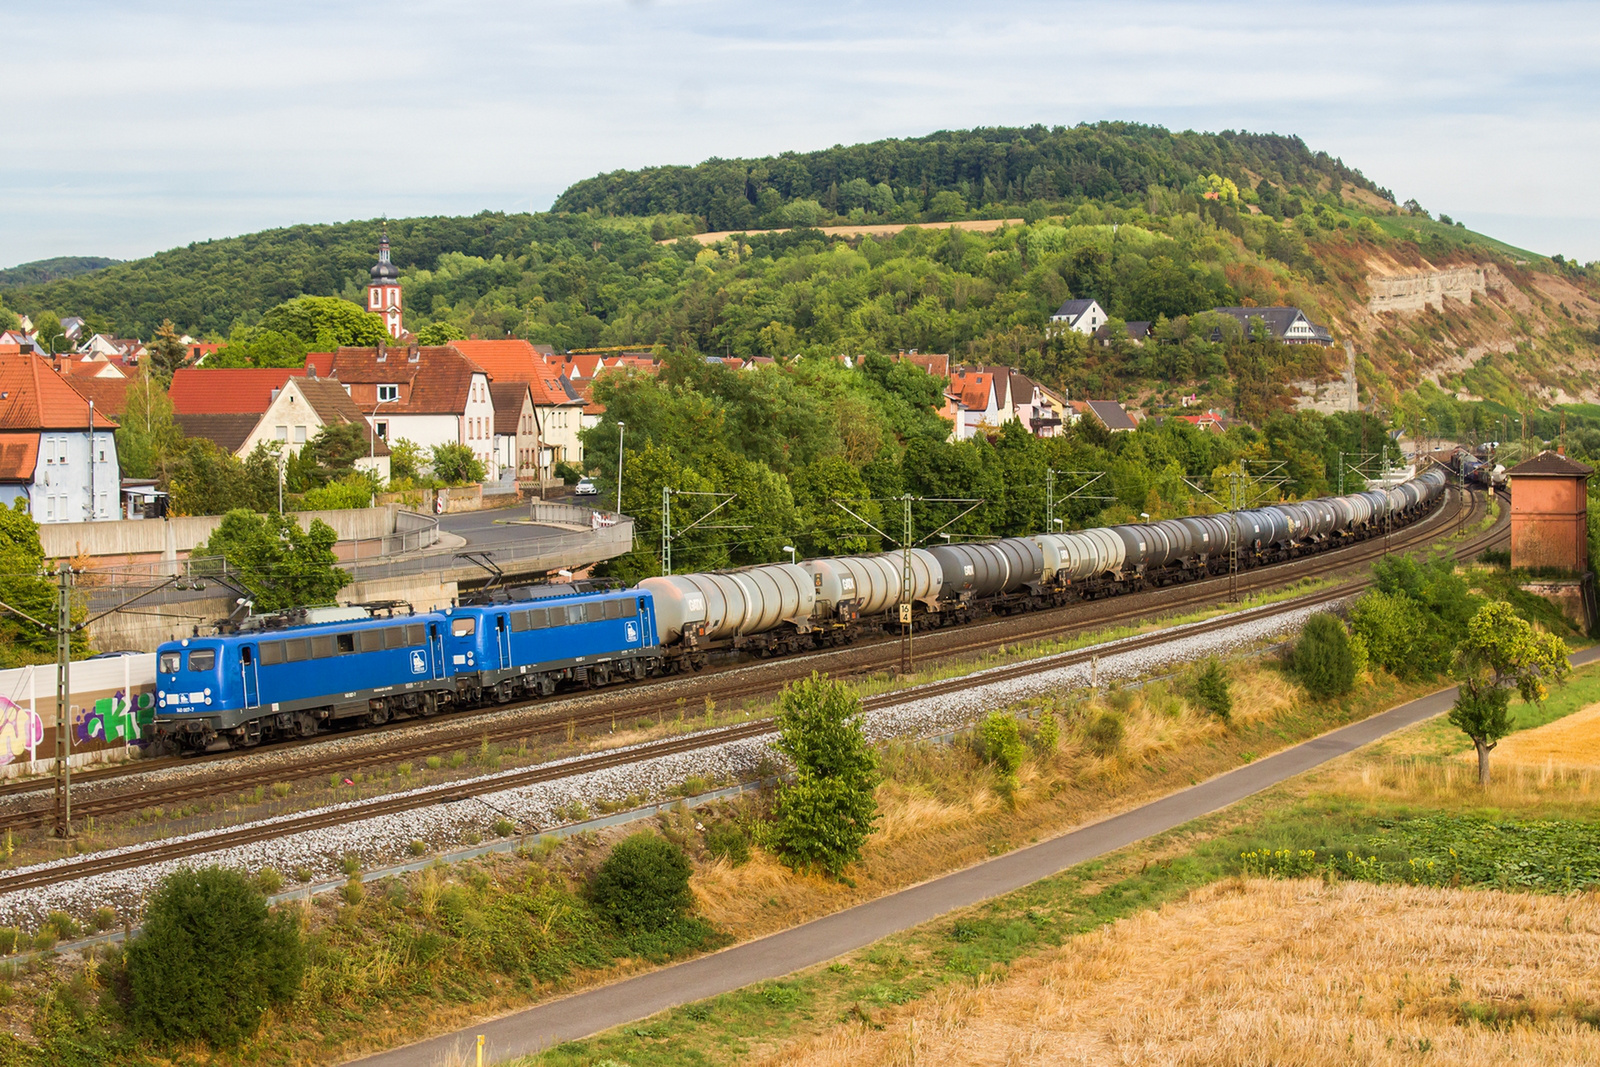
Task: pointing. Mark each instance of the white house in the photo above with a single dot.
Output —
(301, 409)
(56, 451)
(1084, 316)
(427, 395)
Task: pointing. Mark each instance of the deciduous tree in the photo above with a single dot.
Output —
(822, 819)
(1501, 655)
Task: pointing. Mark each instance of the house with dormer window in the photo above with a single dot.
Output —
(57, 452)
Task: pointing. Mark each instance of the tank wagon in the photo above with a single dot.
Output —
(296, 674)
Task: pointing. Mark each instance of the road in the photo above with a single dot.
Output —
(820, 940)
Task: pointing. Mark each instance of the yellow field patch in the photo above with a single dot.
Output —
(1573, 741)
(1267, 972)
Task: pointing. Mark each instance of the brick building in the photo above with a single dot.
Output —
(1550, 513)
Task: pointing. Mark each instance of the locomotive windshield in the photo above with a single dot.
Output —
(202, 659)
(463, 627)
(169, 662)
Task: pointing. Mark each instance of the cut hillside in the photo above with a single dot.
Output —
(1284, 972)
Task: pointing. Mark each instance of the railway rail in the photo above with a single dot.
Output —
(639, 703)
(160, 852)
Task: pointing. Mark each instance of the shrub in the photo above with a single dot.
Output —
(65, 926)
(10, 937)
(104, 919)
(728, 841)
(210, 944)
(1103, 733)
(1048, 735)
(643, 883)
(1213, 690)
(822, 819)
(504, 827)
(1322, 658)
(353, 892)
(1003, 747)
(270, 879)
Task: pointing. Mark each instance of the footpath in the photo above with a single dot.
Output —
(583, 1014)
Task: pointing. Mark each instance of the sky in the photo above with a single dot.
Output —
(140, 126)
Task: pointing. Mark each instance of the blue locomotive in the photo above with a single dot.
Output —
(296, 675)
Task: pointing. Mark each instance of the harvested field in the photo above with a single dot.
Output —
(1573, 741)
(1269, 972)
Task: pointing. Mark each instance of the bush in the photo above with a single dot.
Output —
(10, 937)
(728, 841)
(1103, 734)
(210, 945)
(1003, 747)
(644, 883)
(1213, 690)
(1322, 658)
(65, 926)
(1048, 735)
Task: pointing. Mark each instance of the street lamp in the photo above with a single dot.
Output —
(789, 549)
(620, 425)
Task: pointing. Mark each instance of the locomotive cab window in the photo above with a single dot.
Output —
(169, 662)
(464, 627)
(202, 659)
(345, 643)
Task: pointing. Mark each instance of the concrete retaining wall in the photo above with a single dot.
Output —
(136, 540)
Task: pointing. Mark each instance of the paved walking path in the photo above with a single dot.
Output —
(820, 940)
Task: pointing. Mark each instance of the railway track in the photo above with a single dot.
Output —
(642, 703)
(139, 856)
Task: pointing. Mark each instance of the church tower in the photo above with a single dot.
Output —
(383, 292)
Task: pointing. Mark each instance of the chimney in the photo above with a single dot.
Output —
(414, 354)
(383, 352)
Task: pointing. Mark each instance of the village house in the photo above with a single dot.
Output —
(428, 395)
(556, 402)
(1285, 324)
(225, 405)
(301, 409)
(56, 451)
(516, 432)
(1083, 316)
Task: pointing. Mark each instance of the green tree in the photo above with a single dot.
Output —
(439, 333)
(354, 490)
(643, 883)
(209, 943)
(327, 322)
(48, 333)
(148, 440)
(1500, 655)
(406, 460)
(1213, 689)
(24, 586)
(282, 565)
(166, 353)
(1322, 658)
(822, 819)
(454, 464)
(203, 479)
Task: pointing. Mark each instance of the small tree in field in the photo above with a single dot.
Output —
(210, 959)
(1501, 654)
(822, 819)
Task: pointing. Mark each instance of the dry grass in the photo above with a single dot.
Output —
(1283, 973)
(1454, 783)
(1572, 742)
(940, 810)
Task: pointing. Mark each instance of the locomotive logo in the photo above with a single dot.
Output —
(632, 630)
(419, 662)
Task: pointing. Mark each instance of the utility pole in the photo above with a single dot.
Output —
(64, 701)
(667, 536)
(905, 590)
(619, 468)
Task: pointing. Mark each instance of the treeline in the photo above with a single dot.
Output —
(777, 450)
(46, 270)
(949, 173)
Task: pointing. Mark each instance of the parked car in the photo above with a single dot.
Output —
(586, 487)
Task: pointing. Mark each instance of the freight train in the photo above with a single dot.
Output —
(298, 674)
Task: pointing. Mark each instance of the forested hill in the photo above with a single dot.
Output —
(47, 270)
(900, 180)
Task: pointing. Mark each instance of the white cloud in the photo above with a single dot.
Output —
(162, 123)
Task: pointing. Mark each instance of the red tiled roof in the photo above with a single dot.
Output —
(228, 391)
(936, 364)
(19, 455)
(34, 397)
(512, 359)
(228, 430)
(321, 363)
(110, 395)
(973, 387)
(435, 383)
(508, 398)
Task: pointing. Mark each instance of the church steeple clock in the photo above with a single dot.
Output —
(383, 292)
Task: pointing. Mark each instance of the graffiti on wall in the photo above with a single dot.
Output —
(111, 719)
(20, 730)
